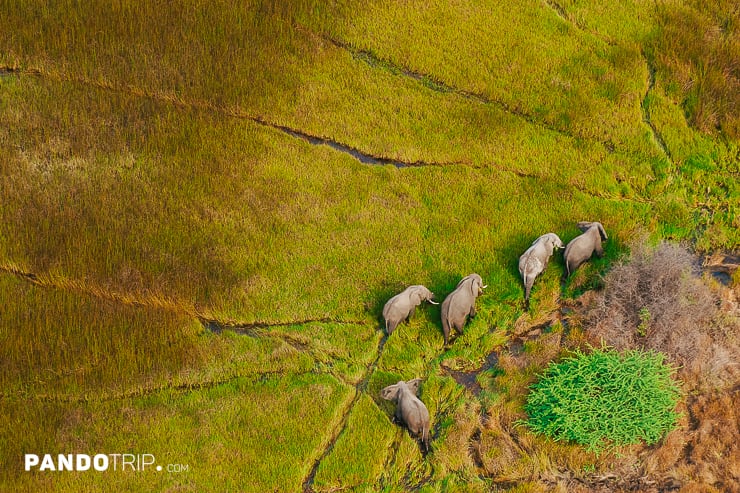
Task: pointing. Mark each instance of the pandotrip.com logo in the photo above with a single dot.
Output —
(98, 462)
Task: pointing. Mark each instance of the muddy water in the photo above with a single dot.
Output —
(469, 379)
(360, 156)
(646, 118)
(515, 346)
(721, 267)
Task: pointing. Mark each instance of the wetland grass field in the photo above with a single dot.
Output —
(204, 207)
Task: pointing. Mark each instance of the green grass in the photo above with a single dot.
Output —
(77, 346)
(144, 186)
(605, 399)
(233, 229)
(358, 458)
(517, 78)
(227, 435)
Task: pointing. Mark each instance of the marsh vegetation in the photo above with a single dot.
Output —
(165, 173)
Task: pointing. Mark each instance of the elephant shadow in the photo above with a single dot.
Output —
(441, 285)
(378, 298)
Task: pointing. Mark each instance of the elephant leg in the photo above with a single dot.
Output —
(573, 265)
(391, 326)
(599, 251)
(411, 312)
(472, 311)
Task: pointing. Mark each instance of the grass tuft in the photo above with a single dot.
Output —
(605, 399)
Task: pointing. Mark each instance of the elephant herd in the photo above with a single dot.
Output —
(459, 305)
(456, 308)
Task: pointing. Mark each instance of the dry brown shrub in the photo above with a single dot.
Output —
(656, 300)
(663, 460)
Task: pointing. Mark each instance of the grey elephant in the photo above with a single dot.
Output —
(534, 261)
(582, 247)
(409, 408)
(402, 306)
(460, 304)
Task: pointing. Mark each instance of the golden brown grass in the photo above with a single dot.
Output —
(697, 46)
(703, 454)
(65, 346)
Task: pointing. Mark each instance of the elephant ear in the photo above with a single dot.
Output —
(413, 385)
(475, 284)
(555, 241)
(390, 392)
(602, 232)
(584, 225)
(426, 294)
(417, 295)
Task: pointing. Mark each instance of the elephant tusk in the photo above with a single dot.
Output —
(484, 287)
(433, 302)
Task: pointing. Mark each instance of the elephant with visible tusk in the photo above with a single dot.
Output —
(534, 261)
(402, 306)
(582, 247)
(409, 408)
(460, 304)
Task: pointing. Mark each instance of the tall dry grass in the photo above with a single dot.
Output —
(62, 345)
(697, 47)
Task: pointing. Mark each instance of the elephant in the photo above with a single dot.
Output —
(409, 408)
(402, 306)
(534, 261)
(460, 303)
(582, 247)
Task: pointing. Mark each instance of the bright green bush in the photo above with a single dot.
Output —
(605, 398)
